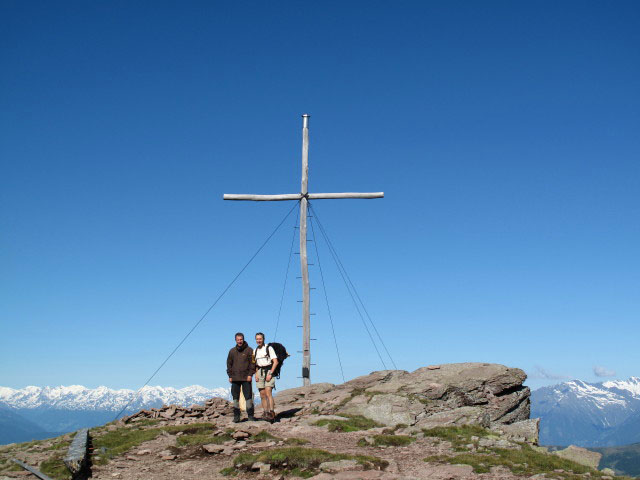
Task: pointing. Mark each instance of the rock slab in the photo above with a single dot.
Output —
(452, 394)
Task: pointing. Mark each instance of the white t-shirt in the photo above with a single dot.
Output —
(262, 360)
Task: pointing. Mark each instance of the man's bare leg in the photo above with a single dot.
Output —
(264, 401)
(271, 402)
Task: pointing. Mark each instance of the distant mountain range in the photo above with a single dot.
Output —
(39, 412)
(572, 413)
(588, 414)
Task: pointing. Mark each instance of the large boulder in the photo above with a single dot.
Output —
(388, 409)
(580, 455)
(524, 431)
(451, 394)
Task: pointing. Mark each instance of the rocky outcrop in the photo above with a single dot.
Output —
(212, 409)
(523, 431)
(580, 455)
(461, 393)
(485, 394)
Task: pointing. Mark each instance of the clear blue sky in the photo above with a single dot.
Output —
(504, 135)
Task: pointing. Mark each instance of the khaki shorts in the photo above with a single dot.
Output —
(262, 378)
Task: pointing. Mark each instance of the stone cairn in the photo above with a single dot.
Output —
(213, 408)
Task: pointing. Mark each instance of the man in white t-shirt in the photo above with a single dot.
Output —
(266, 363)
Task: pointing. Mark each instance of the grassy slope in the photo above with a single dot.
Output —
(525, 461)
(625, 459)
(111, 442)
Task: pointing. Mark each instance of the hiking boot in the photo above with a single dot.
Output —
(250, 415)
(236, 415)
(272, 416)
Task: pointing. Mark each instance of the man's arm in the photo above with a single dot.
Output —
(252, 364)
(274, 362)
(229, 365)
(273, 367)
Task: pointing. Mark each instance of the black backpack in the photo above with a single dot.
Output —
(281, 354)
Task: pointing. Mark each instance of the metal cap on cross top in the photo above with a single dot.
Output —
(303, 197)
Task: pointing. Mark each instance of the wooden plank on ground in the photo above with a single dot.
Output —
(31, 469)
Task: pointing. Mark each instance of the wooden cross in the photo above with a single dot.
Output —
(303, 197)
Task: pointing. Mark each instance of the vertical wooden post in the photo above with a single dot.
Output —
(303, 197)
(304, 266)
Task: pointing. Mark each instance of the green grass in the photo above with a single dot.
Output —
(296, 441)
(117, 442)
(357, 392)
(23, 446)
(264, 436)
(146, 422)
(201, 439)
(55, 468)
(190, 428)
(197, 434)
(195, 439)
(388, 440)
(525, 461)
(302, 461)
(419, 398)
(302, 473)
(229, 472)
(459, 436)
(354, 393)
(59, 445)
(454, 433)
(352, 423)
(200, 434)
(8, 466)
(121, 440)
(394, 429)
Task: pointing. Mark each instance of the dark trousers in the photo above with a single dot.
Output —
(246, 392)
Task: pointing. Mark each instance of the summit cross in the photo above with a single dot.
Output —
(303, 197)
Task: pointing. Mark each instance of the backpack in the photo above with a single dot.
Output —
(281, 355)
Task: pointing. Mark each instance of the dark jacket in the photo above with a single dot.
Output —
(240, 363)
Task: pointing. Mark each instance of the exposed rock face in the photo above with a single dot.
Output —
(524, 431)
(460, 393)
(580, 455)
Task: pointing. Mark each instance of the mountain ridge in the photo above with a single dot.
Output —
(68, 408)
(589, 414)
(81, 397)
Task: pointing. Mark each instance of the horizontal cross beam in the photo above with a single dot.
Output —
(298, 196)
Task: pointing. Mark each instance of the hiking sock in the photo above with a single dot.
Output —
(250, 410)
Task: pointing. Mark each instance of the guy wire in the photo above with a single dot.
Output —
(208, 310)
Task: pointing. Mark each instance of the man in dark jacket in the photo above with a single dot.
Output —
(240, 369)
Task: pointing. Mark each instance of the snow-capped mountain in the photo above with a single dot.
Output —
(588, 414)
(77, 397)
(65, 409)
